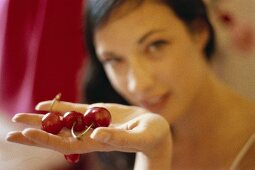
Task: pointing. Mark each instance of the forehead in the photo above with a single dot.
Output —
(134, 23)
(142, 9)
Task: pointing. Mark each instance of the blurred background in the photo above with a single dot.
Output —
(42, 53)
(234, 61)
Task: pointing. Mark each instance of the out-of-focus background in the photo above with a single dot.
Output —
(234, 62)
(42, 54)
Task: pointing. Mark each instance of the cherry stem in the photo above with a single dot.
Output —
(56, 98)
(81, 134)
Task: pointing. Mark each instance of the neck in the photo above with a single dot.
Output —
(215, 119)
(207, 113)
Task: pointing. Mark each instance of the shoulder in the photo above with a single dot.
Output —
(247, 153)
(248, 159)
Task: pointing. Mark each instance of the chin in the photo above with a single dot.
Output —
(171, 115)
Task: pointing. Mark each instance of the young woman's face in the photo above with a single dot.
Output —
(151, 59)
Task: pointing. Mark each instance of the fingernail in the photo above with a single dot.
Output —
(27, 132)
(37, 107)
(15, 117)
(101, 136)
(9, 137)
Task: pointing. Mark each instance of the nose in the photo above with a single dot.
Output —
(140, 78)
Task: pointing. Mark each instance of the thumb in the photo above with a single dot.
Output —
(120, 138)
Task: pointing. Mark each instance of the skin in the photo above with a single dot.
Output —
(155, 66)
(187, 93)
(159, 66)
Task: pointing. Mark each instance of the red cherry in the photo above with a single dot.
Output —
(72, 158)
(94, 117)
(98, 116)
(74, 117)
(88, 119)
(52, 122)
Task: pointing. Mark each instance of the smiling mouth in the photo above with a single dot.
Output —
(155, 103)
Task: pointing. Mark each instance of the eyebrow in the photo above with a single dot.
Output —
(145, 36)
(140, 41)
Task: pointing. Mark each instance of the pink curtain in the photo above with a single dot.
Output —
(41, 52)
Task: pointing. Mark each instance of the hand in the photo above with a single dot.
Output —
(133, 129)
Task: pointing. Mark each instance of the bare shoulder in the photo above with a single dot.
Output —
(248, 161)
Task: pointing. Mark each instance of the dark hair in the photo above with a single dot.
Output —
(97, 85)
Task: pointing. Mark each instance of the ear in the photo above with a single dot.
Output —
(201, 34)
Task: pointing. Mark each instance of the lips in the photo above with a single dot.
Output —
(155, 104)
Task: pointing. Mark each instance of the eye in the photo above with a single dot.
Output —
(111, 60)
(156, 45)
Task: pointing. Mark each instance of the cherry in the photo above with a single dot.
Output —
(98, 116)
(75, 119)
(52, 122)
(72, 158)
(94, 117)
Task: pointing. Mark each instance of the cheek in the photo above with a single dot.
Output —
(118, 80)
(181, 72)
(182, 79)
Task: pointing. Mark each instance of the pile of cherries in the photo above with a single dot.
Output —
(54, 122)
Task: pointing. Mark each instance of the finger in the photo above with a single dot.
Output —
(44, 139)
(61, 106)
(28, 118)
(141, 133)
(65, 145)
(130, 139)
(18, 137)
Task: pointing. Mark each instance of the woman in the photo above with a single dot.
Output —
(156, 57)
